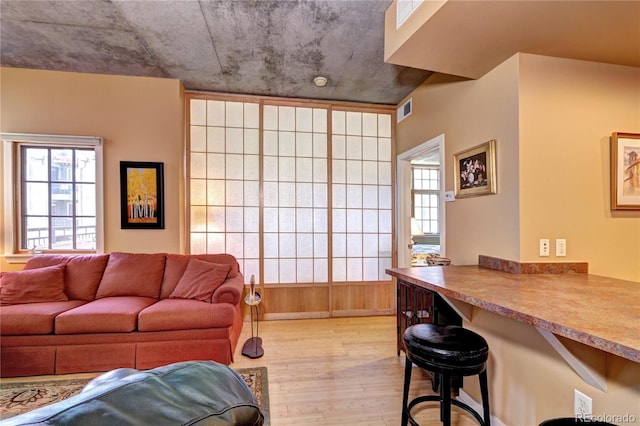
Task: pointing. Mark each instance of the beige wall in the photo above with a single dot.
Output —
(552, 119)
(468, 113)
(140, 119)
(568, 110)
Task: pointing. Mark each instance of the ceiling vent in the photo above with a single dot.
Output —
(405, 110)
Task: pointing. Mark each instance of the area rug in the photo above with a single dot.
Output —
(19, 397)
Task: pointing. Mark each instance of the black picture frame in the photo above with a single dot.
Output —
(141, 195)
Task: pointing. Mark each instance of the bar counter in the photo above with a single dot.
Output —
(597, 311)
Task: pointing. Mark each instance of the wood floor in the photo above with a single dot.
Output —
(338, 372)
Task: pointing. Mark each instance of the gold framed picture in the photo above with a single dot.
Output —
(625, 171)
(475, 170)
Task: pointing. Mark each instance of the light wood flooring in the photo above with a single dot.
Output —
(338, 372)
(333, 372)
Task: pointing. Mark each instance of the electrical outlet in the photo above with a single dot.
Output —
(544, 247)
(581, 405)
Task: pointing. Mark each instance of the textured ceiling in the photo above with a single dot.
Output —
(258, 47)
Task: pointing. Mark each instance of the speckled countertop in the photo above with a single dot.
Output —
(598, 311)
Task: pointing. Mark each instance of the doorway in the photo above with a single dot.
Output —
(416, 199)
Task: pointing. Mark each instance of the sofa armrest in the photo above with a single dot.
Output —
(230, 291)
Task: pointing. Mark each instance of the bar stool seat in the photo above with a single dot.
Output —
(447, 351)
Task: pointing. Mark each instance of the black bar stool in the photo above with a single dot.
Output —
(446, 351)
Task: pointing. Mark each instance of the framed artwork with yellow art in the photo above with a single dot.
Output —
(141, 195)
(625, 171)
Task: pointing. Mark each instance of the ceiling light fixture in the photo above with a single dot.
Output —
(320, 81)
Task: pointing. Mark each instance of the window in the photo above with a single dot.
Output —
(55, 187)
(424, 197)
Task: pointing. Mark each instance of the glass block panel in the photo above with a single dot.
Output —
(271, 220)
(270, 117)
(270, 194)
(304, 220)
(384, 245)
(286, 144)
(304, 170)
(198, 165)
(319, 170)
(304, 245)
(320, 223)
(251, 115)
(370, 197)
(370, 172)
(287, 118)
(251, 193)
(339, 147)
(270, 171)
(370, 149)
(198, 139)
(215, 113)
(339, 171)
(251, 266)
(287, 245)
(354, 196)
(234, 219)
(354, 147)
(251, 219)
(198, 112)
(321, 270)
(320, 245)
(271, 245)
(216, 168)
(198, 219)
(287, 270)
(384, 149)
(304, 195)
(234, 141)
(384, 223)
(215, 192)
(354, 220)
(216, 243)
(216, 137)
(385, 263)
(270, 143)
(304, 270)
(234, 166)
(339, 245)
(354, 245)
(384, 173)
(198, 243)
(198, 192)
(339, 217)
(339, 196)
(304, 144)
(235, 244)
(354, 171)
(287, 220)
(338, 122)
(304, 119)
(234, 192)
(384, 125)
(370, 247)
(235, 114)
(271, 271)
(320, 120)
(319, 195)
(287, 194)
(354, 269)
(369, 124)
(251, 141)
(384, 197)
(320, 145)
(287, 169)
(370, 269)
(339, 269)
(216, 219)
(370, 221)
(354, 123)
(251, 167)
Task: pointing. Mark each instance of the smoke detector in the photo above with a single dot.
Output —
(320, 81)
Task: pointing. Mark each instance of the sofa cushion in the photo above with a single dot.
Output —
(33, 286)
(132, 274)
(177, 264)
(32, 318)
(185, 314)
(200, 280)
(82, 273)
(105, 315)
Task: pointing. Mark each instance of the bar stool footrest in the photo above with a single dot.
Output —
(437, 398)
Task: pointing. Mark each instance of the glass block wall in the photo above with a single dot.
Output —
(298, 194)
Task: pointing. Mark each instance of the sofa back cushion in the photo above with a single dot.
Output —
(200, 280)
(177, 265)
(132, 274)
(82, 274)
(33, 286)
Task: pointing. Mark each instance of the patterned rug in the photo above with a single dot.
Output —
(19, 397)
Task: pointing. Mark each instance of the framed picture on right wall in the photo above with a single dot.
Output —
(625, 171)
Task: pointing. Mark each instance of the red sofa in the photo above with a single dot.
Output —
(68, 314)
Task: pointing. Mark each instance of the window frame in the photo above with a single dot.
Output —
(415, 192)
(12, 183)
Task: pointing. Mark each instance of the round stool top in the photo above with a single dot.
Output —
(445, 346)
(570, 421)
